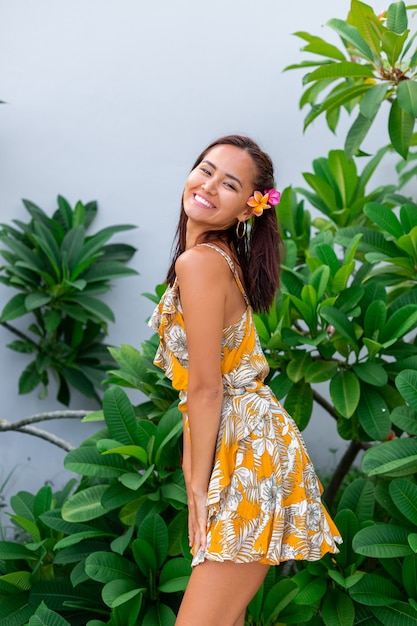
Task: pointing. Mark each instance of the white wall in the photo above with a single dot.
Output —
(112, 101)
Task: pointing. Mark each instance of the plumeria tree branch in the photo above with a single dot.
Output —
(25, 426)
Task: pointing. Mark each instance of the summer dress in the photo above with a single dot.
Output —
(263, 497)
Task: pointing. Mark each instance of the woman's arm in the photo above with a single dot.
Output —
(186, 468)
(203, 280)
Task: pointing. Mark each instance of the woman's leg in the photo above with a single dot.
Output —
(241, 620)
(218, 593)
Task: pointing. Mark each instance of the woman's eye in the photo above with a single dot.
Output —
(230, 186)
(205, 170)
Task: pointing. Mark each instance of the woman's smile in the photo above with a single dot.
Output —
(201, 200)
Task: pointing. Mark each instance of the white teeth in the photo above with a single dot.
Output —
(203, 201)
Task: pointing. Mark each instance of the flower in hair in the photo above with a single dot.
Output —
(262, 201)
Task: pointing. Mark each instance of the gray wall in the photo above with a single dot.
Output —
(112, 101)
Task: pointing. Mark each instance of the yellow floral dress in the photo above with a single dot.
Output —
(264, 496)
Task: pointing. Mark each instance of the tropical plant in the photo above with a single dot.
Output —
(376, 63)
(346, 317)
(59, 272)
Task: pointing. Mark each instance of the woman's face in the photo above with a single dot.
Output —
(217, 190)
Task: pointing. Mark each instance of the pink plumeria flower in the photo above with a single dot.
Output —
(261, 201)
(274, 196)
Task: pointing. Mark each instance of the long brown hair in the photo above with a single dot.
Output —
(258, 251)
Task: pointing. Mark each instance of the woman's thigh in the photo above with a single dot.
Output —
(218, 593)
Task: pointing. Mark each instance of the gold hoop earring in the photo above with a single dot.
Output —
(240, 233)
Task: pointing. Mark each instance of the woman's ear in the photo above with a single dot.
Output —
(246, 214)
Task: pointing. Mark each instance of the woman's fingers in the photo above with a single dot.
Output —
(200, 536)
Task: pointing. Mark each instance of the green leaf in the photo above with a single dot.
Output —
(120, 416)
(45, 617)
(392, 458)
(85, 505)
(357, 134)
(352, 35)
(29, 379)
(107, 270)
(392, 45)
(145, 557)
(296, 368)
(97, 308)
(396, 614)
(341, 323)
(136, 452)
(320, 371)
(87, 461)
(117, 592)
(397, 20)
(106, 566)
(278, 597)
(159, 615)
(409, 573)
(332, 103)
(362, 16)
(317, 45)
(154, 530)
(14, 551)
(174, 575)
(311, 589)
(345, 393)
(76, 538)
(345, 69)
(94, 244)
(404, 495)
(21, 580)
(15, 610)
(14, 308)
(374, 590)
(384, 217)
(24, 347)
(400, 126)
(373, 414)
(382, 541)
(36, 301)
(299, 403)
(134, 481)
(407, 96)
(371, 373)
(338, 609)
(319, 279)
(405, 417)
(406, 383)
(399, 323)
(375, 318)
(372, 100)
(359, 497)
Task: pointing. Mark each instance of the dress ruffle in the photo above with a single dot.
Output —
(264, 498)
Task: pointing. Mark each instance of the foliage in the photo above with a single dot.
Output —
(376, 63)
(59, 272)
(122, 535)
(115, 551)
(346, 317)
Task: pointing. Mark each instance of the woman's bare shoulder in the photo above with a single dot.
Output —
(200, 260)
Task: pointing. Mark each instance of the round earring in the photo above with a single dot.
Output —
(240, 232)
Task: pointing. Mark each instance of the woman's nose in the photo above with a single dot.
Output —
(209, 186)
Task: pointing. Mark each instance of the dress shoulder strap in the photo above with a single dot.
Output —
(231, 265)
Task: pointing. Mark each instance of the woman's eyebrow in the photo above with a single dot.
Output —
(228, 175)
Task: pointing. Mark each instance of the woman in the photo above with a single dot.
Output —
(253, 496)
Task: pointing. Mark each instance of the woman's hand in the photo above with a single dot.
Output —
(197, 521)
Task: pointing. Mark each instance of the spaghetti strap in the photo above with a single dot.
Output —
(232, 268)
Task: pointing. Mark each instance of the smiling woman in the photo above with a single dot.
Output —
(253, 496)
